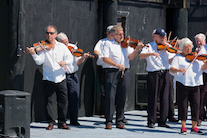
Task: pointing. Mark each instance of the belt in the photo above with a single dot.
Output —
(114, 69)
(162, 70)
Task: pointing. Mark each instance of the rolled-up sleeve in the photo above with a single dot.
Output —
(39, 58)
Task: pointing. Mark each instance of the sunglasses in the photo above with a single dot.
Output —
(50, 33)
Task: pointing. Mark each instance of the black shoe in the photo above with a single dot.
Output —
(63, 126)
(75, 123)
(163, 125)
(173, 119)
(151, 125)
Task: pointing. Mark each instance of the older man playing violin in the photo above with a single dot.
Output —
(117, 75)
(158, 78)
(72, 81)
(54, 78)
(202, 50)
(188, 76)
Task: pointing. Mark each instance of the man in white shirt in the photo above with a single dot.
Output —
(54, 63)
(117, 75)
(201, 48)
(73, 80)
(100, 71)
(158, 79)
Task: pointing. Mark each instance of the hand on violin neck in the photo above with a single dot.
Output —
(85, 55)
(139, 46)
(31, 50)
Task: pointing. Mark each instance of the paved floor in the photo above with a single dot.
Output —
(93, 127)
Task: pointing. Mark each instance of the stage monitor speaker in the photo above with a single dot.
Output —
(141, 95)
(15, 114)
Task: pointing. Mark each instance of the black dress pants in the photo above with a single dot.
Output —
(73, 95)
(203, 97)
(116, 90)
(49, 88)
(102, 82)
(158, 85)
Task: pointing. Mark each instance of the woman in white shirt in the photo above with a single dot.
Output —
(188, 76)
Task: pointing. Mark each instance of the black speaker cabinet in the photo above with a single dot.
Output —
(141, 90)
(15, 114)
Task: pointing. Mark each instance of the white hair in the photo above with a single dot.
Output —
(153, 32)
(61, 36)
(116, 28)
(185, 42)
(200, 35)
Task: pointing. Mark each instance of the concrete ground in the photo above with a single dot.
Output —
(93, 127)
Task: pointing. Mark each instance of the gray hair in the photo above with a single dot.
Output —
(200, 35)
(154, 31)
(52, 27)
(116, 28)
(185, 42)
(61, 36)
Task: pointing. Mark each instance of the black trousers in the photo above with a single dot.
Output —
(60, 89)
(158, 85)
(203, 97)
(116, 90)
(171, 99)
(185, 94)
(73, 96)
(102, 82)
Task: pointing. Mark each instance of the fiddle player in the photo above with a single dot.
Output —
(157, 79)
(54, 78)
(72, 79)
(188, 76)
(202, 49)
(171, 114)
(117, 75)
(100, 71)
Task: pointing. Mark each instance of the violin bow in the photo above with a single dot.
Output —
(65, 67)
(169, 36)
(176, 43)
(193, 60)
(122, 71)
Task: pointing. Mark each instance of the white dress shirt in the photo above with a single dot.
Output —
(51, 69)
(203, 50)
(99, 47)
(193, 76)
(157, 63)
(116, 53)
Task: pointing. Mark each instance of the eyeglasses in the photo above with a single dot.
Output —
(120, 34)
(50, 33)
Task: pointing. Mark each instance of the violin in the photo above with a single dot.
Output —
(78, 52)
(190, 57)
(41, 46)
(130, 42)
(165, 46)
